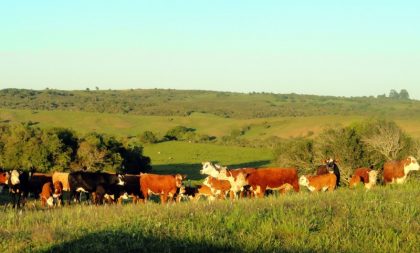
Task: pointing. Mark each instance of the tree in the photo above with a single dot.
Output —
(404, 94)
(394, 94)
(384, 137)
(148, 137)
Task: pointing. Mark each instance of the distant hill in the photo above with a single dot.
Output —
(163, 102)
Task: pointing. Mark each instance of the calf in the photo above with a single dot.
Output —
(195, 193)
(397, 171)
(272, 179)
(218, 187)
(163, 185)
(46, 195)
(365, 175)
(320, 182)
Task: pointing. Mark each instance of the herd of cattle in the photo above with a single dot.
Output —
(219, 183)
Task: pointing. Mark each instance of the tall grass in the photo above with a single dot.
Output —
(385, 219)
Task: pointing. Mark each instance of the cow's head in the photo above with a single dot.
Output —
(373, 177)
(58, 189)
(178, 180)
(411, 164)
(4, 177)
(209, 169)
(14, 177)
(331, 163)
(120, 179)
(303, 180)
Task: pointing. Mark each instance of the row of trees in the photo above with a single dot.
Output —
(358, 145)
(25, 146)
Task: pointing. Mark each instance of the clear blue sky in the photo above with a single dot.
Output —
(342, 48)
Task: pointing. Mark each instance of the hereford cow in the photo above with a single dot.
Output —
(218, 187)
(236, 177)
(320, 182)
(195, 193)
(397, 171)
(46, 195)
(365, 175)
(330, 166)
(105, 183)
(163, 185)
(272, 179)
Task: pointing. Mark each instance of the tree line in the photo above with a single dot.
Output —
(363, 144)
(161, 102)
(25, 146)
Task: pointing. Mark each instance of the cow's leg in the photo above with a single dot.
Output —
(163, 198)
(232, 195)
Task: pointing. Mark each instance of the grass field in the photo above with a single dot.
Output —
(128, 125)
(385, 219)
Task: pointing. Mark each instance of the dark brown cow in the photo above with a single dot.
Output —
(272, 178)
(397, 171)
(163, 185)
(132, 187)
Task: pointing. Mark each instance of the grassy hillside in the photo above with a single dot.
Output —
(385, 219)
(128, 125)
(225, 104)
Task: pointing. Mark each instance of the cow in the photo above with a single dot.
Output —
(58, 192)
(132, 187)
(365, 175)
(163, 185)
(62, 177)
(236, 177)
(330, 166)
(319, 183)
(195, 193)
(218, 187)
(46, 195)
(272, 179)
(105, 183)
(397, 171)
(17, 182)
(37, 181)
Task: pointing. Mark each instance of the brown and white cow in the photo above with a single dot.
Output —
(218, 187)
(397, 171)
(320, 182)
(365, 175)
(46, 195)
(236, 177)
(272, 179)
(195, 193)
(163, 185)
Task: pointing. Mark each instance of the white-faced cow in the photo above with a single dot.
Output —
(366, 176)
(319, 183)
(397, 171)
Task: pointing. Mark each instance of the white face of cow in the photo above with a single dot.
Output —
(411, 164)
(303, 180)
(209, 169)
(178, 180)
(14, 177)
(373, 175)
(50, 201)
(120, 180)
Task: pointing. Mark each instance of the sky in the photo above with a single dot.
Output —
(324, 47)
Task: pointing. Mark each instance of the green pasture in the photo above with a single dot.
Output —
(385, 219)
(186, 158)
(129, 124)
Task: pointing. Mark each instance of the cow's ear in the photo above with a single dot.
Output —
(336, 160)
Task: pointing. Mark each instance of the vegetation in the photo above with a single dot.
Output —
(160, 102)
(27, 147)
(385, 219)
